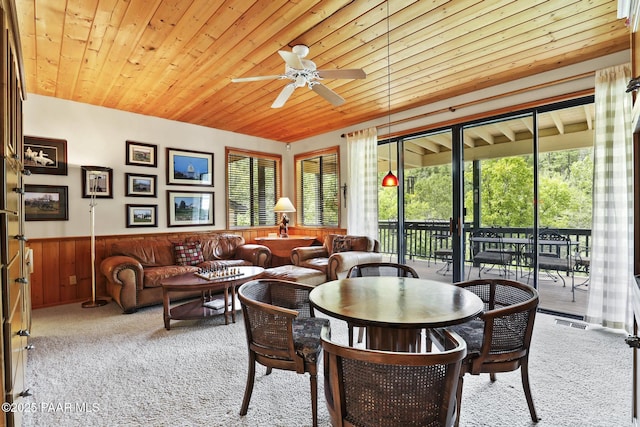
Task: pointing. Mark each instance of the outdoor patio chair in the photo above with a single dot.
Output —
(282, 332)
(487, 248)
(377, 269)
(582, 263)
(498, 340)
(441, 250)
(370, 388)
(558, 258)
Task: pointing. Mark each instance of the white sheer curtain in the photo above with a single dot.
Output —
(611, 269)
(362, 187)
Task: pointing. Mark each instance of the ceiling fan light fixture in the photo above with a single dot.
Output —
(302, 72)
(301, 50)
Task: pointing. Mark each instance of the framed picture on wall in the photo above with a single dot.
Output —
(97, 181)
(139, 185)
(185, 167)
(45, 155)
(46, 203)
(186, 208)
(142, 216)
(141, 154)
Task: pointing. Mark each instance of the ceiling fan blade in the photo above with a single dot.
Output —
(327, 94)
(354, 73)
(256, 78)
(284, 95)
(291, 59)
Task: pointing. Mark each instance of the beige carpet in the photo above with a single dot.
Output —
(98, 367)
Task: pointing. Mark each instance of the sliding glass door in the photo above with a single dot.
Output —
(516, 178)
(499, 197)
(427, 196)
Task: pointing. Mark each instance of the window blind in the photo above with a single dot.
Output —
(318, 190)
(252, 189)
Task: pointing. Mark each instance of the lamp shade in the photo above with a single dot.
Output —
(390, 180)
(284, 205)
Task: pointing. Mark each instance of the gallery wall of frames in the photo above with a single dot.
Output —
(184, 168)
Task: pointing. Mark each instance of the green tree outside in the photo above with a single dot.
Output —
(506, 192)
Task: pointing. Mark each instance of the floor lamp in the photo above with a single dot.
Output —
(93, 174)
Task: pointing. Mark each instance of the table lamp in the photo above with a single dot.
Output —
(284, 205)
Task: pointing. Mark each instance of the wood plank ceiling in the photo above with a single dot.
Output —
(175, 58)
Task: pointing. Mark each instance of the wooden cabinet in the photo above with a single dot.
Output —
(15, 297)
(281, 247)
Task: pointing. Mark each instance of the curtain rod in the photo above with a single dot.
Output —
(482, 100)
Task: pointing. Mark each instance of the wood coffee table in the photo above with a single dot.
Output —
(211, 303)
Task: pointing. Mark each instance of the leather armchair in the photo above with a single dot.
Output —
(338, 254)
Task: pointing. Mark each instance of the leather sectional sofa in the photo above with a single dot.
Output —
(135, 268)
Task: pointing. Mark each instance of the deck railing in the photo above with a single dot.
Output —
(424, 238)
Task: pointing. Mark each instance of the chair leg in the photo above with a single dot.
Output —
(459, 399)
(249, 387)
(360, 334)
(524, 372)
(313, 378)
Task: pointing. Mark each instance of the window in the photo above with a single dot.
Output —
(317, 181)
(253, 187)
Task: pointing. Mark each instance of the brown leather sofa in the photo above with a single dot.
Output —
(135, 268)
(338, 254)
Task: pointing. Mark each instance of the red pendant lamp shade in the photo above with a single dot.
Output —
(390, 180)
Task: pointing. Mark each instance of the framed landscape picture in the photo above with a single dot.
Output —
(142, 216)
(45, 155)
(185, 167)
(97, 181)
(139, 185)
(141, 154)
(46, 203)
(186, 208)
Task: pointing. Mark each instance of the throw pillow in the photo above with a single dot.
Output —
(188, 253)
(340, 244)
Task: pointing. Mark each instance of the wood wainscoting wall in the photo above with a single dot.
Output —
(62, 266)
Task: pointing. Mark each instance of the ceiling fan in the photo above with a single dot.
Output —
(303, 72)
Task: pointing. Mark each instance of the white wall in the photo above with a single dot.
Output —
(97, 136)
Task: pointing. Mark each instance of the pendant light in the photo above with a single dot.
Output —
(389, 180)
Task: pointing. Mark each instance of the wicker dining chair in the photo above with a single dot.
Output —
(371, 388)
(282, 332)
(377, 269)
(498, 340)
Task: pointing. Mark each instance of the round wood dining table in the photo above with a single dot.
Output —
(395, 310)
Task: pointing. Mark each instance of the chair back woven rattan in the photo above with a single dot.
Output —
(499, 340)
(382, 269)
(377, 269)
(281, 331)
(368, 388)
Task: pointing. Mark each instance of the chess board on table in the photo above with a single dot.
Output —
(230, 273)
